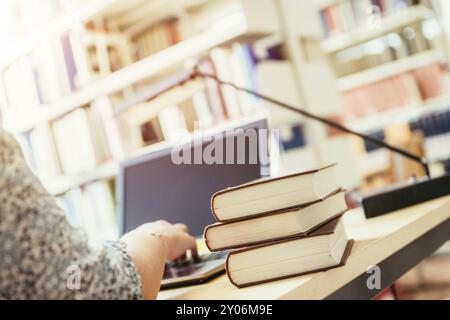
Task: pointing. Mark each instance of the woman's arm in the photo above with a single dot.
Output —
(165, 242)
(43, 257)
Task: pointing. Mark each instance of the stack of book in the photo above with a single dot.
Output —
(280, 227)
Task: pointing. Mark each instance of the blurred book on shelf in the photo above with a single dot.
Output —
(65, 63)
(156, 38)
(196, 105)
(92, 208)
(83, 150)
(427, 134)
(390, 62)
(345, 16)
(75, 151)
(93, 88)
(44, 152)
(408, 41)
(403, 90)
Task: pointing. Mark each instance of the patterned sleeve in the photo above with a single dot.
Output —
(41, 255)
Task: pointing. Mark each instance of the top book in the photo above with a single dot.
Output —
(272, 194)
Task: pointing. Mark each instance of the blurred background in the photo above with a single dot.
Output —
(79, 82)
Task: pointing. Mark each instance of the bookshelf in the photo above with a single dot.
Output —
(321, 4)
(116, 98)
(80, 11)
(104, 117)
(109, 171)
(387, 24)
(78, 15)
(391, 69)
(367, 79)
(62, 184)
(316, 86)
(406, 114)
(234, 28)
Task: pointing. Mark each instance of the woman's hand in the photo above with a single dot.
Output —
(151, 245)
(174, 236)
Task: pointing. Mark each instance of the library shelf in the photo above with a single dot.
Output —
(232, 28)
(322, 4)
(402, 114)
(61, 184)
(55, 27)
(377, 162)
(147, 12)
(390, 69)
(436, 148)
(85, 12)
(387, 24)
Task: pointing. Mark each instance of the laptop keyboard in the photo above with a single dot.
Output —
(202, 259)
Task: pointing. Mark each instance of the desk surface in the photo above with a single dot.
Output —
(375, 240)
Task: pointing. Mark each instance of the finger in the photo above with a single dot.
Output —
(194, 253)
(192, 246)
(182, 227)
(182, 258)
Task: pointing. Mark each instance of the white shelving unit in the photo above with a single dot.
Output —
(402, 114)
(390, 69)
(321, 4)
(316, 85)
(29, 42)
(391, 22)
(243, 22)
(89, 9)
(62, 184)
(232, 28)
(387, 24)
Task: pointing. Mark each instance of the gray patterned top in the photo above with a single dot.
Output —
(41, 255)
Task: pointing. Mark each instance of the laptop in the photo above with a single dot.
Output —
(153, 187)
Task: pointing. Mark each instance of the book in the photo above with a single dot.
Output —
(149, 40)
(326, 248)
(240, 66)
(402, 90)
(430, 80)
(344, 16)
(69, 59)
(92, 208)
(24, 141)
(213, 91)
(273, 194)
(173, 123)
(44, 152)
(103, 106)
(48, 82)
(279, 225)
(203, 112)
(73, 138)
(98, 133)
(99, 195)
(221, 58)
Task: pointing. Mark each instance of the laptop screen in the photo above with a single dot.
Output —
(157, 187)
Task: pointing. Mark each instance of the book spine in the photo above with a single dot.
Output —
(69, 60)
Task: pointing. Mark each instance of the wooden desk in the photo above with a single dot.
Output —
(395, 242)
